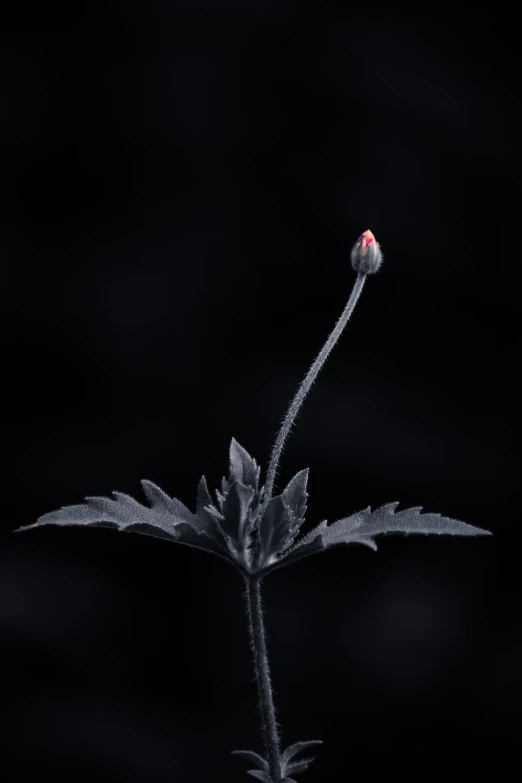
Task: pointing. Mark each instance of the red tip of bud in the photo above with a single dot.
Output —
(366, 239)
(366, 254)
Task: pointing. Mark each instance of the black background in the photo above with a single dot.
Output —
(181, 184)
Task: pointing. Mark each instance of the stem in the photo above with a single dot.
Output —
(305, 387)
(264, 686)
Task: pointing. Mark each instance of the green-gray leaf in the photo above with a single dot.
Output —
(367, 524)
(297, 747)
(167, 518)
(362, 527)
(243, 467)
(256, 773)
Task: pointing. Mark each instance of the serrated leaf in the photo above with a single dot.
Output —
(255, 758)
(367, 524)
(362, 527)
(243, 467)
(161, 502)
(168, 518)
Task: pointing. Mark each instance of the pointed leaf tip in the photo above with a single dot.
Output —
(167, 518)
(295, 495)
(203, 497)
(163, 503)
(243, 467)
(363, 526)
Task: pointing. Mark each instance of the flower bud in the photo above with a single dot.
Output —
(366, 254)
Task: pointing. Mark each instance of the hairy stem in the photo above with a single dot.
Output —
(305, 387)
(264, 686)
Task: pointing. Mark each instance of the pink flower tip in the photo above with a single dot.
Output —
(366, 254)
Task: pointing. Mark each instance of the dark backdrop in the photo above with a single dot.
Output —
(181, 184)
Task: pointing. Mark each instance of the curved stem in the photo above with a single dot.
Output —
(264, 686)
(305, 387)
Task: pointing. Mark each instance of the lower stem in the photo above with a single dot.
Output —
(262, 671)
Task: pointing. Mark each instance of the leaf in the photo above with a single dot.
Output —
(167, 518)
(362, 527)
(220, 499)
(321, 531)
(308, 545)
(295, 494)
(274, 530)
(296, 767)
(289, 767)
(255, 758)
(297, 747)
(204, 498)
(221, 495)
(235, 522)
(264, 776)
(209, 540)
(243, 467)
(311, 536)
(297, 552)
(212, 513)
(294, 497)
(161, 502)
(367, 524)
(282, 519)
